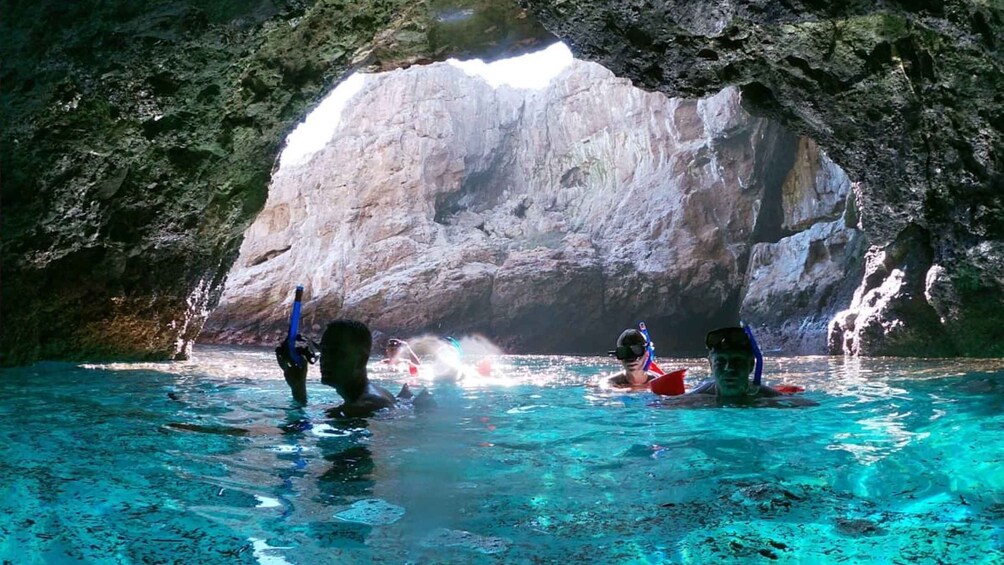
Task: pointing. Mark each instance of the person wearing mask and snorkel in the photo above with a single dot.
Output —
(733, 355)
(633, 352)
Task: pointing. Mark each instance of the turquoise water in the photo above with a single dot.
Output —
(207, 462)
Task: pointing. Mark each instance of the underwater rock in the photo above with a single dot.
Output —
(488, 545)
(858, 527)
(766, 497)
(372, 512)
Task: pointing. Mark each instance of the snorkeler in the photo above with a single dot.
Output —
(398, 352)
(731, 354)
(443, 357)
(344, 351)
(634, 354)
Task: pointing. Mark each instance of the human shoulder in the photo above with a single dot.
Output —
(375, 398)
(767, 392)
(707, 387)
(618, 380)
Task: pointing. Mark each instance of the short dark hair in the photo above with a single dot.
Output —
(631, 336)
(732, 338)
(345, 349)
(346, 336)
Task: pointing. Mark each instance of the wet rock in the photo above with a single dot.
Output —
(889, 313)
(766, 497)
(798, 284)
(857, 527)
(194, 100)
(906, 100)
(540, 218)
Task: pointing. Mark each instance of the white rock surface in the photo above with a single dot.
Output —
(547, 219)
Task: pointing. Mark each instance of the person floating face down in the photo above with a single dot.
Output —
(730, 353)
(632, 352)
(344, 351)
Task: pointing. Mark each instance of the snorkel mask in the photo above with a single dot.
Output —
(628, 352)
(631, 345)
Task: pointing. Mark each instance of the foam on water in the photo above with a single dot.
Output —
(208, 461)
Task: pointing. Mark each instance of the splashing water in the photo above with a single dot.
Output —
(208, 461)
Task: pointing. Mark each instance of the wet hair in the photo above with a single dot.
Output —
(631, 336)
(630, 346)
(345, 349)
(728, 339)
(346, 336)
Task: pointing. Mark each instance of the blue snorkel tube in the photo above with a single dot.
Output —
(649, 345)
(456, 345)
(294, 327)
(757, 354)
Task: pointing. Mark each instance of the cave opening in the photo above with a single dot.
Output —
(546, 204)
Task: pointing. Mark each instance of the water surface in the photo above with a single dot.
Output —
(207, 461)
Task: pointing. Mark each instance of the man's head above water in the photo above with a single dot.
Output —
(345, 349)
(730, 353)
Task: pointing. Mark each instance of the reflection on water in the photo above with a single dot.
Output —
(208, 461)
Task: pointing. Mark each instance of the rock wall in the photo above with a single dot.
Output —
(139, 139)
(907, 97)
(547, 219)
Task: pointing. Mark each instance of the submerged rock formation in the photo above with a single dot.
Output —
(907, 97)
(139, 139)
(547, 219)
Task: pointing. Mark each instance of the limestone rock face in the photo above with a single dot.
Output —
(798, 284)
(893, 306)
(548, 219)
(905, 97)
(139, 140)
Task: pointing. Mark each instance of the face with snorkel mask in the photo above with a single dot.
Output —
(730, 353)
(632, 352)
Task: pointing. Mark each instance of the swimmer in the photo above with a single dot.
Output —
(344, 351)
(399, 355)
(633, 353)
(443, 357)
(731, 355)
(398, 351)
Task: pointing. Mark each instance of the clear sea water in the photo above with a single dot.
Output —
(207, 461)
